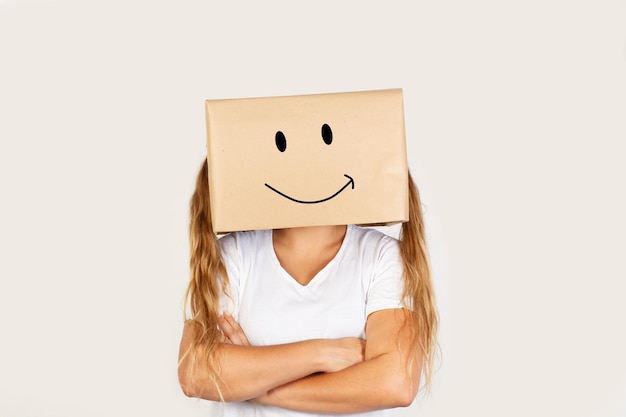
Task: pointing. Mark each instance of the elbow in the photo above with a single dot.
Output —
(192, 383)
(186, 374)
(196, 384)
(194, 376)
(189, 391)
(194, 388)
(401, 393)
(185, 380)
(400, 388)
(405, 397)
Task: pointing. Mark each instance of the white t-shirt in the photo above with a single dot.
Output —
(273, 308)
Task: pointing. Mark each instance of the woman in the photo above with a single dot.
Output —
(328, 319)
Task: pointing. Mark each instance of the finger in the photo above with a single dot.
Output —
(233, 331)
(225, 328)
(225, 325)
(223, 338)
(238, 333)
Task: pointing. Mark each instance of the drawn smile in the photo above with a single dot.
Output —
(350, 182)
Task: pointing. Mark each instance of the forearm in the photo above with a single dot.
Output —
(378, 383)
(248, 371)
(389, 377)
(245, 372)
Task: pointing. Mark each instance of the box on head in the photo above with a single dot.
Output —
(307, 160)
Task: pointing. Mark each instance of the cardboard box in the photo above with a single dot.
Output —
(309, 160)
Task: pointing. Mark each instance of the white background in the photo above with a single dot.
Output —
(515, 117)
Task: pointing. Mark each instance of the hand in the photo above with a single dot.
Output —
(232, 331)
(343, 353)
(338, 354)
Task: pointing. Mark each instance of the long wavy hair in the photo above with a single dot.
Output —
(208, 281)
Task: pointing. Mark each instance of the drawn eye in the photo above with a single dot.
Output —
(327, 134)
(281, 141)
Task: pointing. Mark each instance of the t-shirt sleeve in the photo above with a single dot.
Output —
(229, 303)
(385, 289)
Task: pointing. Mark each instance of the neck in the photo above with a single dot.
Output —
(312, 234)
(304, 251)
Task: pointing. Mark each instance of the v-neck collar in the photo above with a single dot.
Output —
(322, 274)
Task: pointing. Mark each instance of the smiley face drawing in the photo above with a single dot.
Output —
(293, 161)
(327, 136)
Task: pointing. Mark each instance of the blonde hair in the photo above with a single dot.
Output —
(208, 278)
(419, 295)
(209, 281)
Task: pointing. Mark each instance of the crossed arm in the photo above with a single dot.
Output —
(324, 376)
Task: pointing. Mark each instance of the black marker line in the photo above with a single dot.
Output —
(317, 201)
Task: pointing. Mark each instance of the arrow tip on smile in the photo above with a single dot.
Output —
(351, 180)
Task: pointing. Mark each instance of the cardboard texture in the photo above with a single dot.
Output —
(309, 160)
